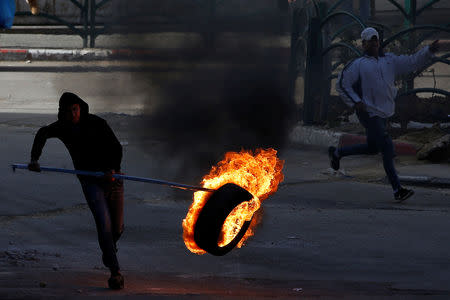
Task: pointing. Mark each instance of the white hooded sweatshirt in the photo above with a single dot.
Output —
(377, 77)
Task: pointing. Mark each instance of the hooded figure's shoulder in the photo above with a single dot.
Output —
(95, 120)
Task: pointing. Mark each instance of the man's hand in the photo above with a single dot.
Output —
(34, 166)
(108, 175)
(360, 107)
(434, 46)
(33, 6)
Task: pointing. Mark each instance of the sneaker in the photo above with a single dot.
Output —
(403, 194)
(116, 281)
(334, 160)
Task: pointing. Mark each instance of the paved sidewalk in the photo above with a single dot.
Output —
(411, 172)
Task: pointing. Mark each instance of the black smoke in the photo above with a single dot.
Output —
(210, 111)
(230, 98)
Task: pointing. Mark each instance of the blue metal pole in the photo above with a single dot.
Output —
(117, 176)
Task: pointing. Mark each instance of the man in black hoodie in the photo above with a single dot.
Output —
(93, 147)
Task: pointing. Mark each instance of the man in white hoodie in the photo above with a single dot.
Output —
(368, 84)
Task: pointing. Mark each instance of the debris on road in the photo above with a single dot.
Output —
(437, 150)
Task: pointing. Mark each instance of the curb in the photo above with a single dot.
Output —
(56, 54)
(7, 54)
(426, 181)
(87, 54)
(309, 135)
(400, 148)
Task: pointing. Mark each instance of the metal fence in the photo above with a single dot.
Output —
(90, 18)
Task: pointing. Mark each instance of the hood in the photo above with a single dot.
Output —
(66, 100)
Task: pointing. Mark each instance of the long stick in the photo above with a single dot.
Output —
(118, 176)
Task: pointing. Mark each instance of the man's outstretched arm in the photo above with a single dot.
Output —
(409, 63)
(41, 137)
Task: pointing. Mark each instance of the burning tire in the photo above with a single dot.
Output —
(212, 217)
(220, 218)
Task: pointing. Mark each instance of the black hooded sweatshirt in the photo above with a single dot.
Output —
(91, 142)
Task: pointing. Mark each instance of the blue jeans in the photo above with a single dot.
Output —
(378, 140)
(105, 201)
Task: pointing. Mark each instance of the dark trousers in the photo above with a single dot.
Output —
(105, 201)
(378, 140)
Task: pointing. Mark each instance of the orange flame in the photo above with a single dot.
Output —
(258, 172)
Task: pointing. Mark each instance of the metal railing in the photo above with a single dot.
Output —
(206, 20)
(88, 10)
(315, 99)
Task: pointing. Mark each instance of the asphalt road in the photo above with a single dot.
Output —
(321, 235)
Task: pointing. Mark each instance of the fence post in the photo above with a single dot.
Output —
(325, 70)
(411, 9)
(293, 55)
(314, 70)
(372, 8)
(85, 17)
(92, 12)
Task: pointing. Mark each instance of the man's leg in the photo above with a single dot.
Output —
(95, 197)
(115, 204)
(368, 148)
(378, 140)
(386, 147)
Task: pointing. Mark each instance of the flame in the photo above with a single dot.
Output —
(258, 172)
